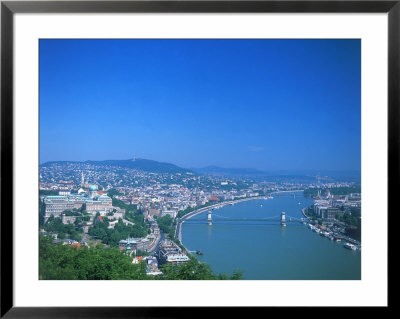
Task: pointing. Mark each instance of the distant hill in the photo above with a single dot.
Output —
(280, 175)
(139, 164)
(215, 170)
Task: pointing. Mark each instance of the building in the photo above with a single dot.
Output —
(328, 212)
(56, 204)
(171, 213)
(68, 219)
(137, 243)
(154, 212)
(318, 204)
(152, 266)
(98, 203)
(93, 191)
(169, 252)
(154, 228)
(111, 224)
(118, 213)
(82, 179)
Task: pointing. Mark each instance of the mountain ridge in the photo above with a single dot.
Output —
(164, 167)
(137, 163)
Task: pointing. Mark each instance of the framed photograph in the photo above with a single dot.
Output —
(163, 154)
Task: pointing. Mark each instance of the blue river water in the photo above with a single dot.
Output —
(264, 250)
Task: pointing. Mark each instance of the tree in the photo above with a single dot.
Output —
(68, 213)
(63, 262)
(55, 225)
(194, 270)
(42, 210)
(237, 274)
(112, 192)
(165, 223)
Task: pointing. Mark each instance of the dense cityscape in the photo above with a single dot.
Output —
(126, 216)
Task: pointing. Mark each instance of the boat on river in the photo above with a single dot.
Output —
(350, 246)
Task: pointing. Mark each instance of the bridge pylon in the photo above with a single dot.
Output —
(283, 219)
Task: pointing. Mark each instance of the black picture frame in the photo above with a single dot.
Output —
(9, 8)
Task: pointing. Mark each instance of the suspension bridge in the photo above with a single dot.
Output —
(282, 218)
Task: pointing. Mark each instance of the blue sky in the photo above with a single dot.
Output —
(266, 104)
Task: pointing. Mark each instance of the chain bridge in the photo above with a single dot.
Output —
(283, 219)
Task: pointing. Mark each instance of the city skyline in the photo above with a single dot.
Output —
(264, 104)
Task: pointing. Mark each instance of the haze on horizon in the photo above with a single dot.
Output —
(264, 104)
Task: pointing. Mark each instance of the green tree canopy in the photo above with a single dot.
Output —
(63, 262)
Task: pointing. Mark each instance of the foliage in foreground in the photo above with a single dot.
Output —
(63, 262)
(194, 270)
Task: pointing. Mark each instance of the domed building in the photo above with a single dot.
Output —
(92, 191)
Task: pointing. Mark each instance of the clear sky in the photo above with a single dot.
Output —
(266, 104)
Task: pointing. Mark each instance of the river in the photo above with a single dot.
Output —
(265, 249)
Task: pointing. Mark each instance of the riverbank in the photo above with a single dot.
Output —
(292, 191)
(303, 211)
(348, 238)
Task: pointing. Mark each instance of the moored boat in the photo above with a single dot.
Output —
(350, 246)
